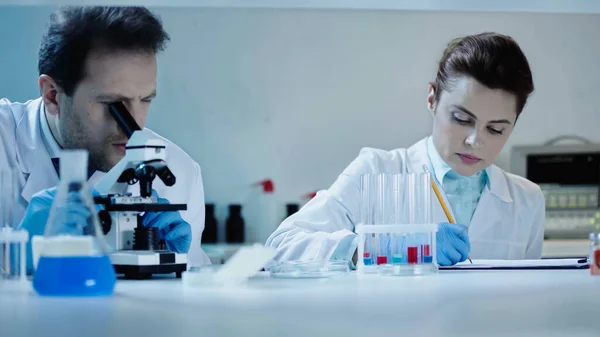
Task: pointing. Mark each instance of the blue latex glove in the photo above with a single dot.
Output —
(452, 242)
(72, 217)
(176, 232)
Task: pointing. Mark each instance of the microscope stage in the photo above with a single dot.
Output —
(140, 264)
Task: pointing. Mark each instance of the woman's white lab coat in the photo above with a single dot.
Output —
(508, 222)
(22, 148)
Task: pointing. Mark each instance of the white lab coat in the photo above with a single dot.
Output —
(22, 147)
(507, 224)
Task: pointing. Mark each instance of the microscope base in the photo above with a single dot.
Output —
(143, 264)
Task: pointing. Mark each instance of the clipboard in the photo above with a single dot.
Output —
(542, 264)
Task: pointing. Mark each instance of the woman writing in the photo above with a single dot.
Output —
(482, 84)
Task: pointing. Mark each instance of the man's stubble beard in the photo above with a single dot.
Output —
(75, 135)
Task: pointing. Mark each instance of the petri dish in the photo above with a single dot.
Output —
(309, 269)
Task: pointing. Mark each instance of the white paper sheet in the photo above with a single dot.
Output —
(521, 264)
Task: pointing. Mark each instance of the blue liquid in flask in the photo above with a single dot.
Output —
(74, 276)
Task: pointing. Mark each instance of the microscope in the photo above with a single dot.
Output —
(137, 251)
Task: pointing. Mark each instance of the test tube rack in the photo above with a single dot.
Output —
(396, 231)
(397, 249)
(13, 253)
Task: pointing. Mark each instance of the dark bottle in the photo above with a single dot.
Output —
(291, 209)
(210, 225)
(235, 225)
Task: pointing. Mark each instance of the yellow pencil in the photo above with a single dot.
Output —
(441, 201)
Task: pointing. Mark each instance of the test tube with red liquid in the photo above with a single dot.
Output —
(383, 249)
(412, 249)
(426, 256)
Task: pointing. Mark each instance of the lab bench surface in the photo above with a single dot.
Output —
(450, 303)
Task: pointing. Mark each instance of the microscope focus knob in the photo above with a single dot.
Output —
(105, 221)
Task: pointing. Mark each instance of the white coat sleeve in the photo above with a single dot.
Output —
(536, 238)
(195, 215)
(324, 228)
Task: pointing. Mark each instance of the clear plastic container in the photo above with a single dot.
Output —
(309, 269)
(396, 233)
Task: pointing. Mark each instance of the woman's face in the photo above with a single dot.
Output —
(471, 124)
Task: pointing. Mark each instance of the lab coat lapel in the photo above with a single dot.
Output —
(493, 204)
(417, 156)
(42, 176)
(486, 214)
(34, 160)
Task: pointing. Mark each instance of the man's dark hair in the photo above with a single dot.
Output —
(74, 31)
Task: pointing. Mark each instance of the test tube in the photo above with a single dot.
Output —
(380, 212)
(383, 249)
(396, 247)
(380, 199)
(411, 200)
(397, 198)
(367, 254)
(427, 216)
(365, 199)
(412, 253)
(427, 256)
(426, 197)
(412, 250)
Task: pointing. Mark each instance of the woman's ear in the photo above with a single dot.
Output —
(431, 99)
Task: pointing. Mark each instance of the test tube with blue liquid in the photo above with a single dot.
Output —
(370, 214)
(398, 256)
(368, 252)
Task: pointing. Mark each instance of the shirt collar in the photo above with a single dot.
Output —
(441, 169)
(49, 141)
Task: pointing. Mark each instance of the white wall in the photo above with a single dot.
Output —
(294, 94)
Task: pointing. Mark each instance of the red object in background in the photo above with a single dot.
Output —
(413, 254)
(595, 263)
(267, 185)
(381, 259)
(310, 195)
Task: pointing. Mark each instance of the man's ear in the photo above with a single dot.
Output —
(431, 99)
(50, 94)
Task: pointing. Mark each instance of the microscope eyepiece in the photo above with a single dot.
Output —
(123, 118)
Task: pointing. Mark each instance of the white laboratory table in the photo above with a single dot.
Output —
(451, 303)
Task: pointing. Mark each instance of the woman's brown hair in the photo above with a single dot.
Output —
(494, 60)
